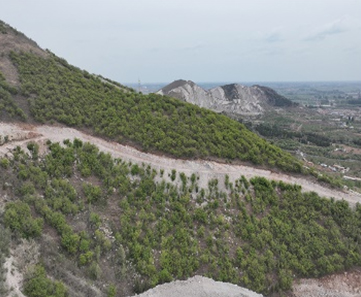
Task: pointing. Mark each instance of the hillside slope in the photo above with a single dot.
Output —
(83, 220)
(126, 225)
(49, 90)
(19, 135)
(232, 99)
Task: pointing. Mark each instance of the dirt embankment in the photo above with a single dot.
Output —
(346, 284)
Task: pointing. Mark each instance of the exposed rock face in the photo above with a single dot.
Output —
(232, 99)
(188, 91)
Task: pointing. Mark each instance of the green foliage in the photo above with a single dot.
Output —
(60, 195)
(60, 92)
(94, 271)
(173, 175)
(86, 258)
(4, 163)
(135, 169)
(34, 149)
(38, 285)
(112, 291)
(4, 243)
(4, 253)
(95, 220)
(258, 233)
(269, 130)
(59, 163)
(18, 218)
(7, 104)
(92, 193)
(164, 276)
(70, 241)
(3, 30)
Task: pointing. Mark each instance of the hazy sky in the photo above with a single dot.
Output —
(200, 40)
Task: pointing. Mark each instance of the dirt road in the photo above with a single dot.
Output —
(20, 134)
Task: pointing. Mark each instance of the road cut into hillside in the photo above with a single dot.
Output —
(21, 134)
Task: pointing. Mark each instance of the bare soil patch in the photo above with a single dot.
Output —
(199, 286)
(346, 284)
(15, 41)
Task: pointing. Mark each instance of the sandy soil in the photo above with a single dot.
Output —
(20, 134)
(198, 286)
(347, 284)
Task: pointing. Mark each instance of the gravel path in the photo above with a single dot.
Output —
(20, 134)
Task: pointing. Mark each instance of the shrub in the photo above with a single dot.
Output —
(4, 163)
(18, 218)
(173, 175)
(92, 193)
(38, 285)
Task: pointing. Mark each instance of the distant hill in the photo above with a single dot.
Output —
(233, 99)
(38, 86)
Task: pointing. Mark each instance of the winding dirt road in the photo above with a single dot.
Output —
(20, 135)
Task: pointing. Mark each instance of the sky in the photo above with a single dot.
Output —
(154, 41)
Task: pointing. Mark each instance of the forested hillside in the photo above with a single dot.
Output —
(60, 92)
(81, 223)
(127, 227)
(49, 90)
(8, 107)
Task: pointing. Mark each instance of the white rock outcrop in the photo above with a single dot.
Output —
(199, 286)
(232, 99)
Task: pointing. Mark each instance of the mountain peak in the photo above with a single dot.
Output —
(176, 84)
(231, 98)
(187, 91)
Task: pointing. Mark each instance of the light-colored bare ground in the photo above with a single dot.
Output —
(347, 284)
(22, 256)
(14, 278)
(20, 135)
(199, 286)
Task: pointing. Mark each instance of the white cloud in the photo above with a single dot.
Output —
(274, 36)
(339, 26)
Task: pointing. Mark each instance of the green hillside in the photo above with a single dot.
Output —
(126, 227)
(81, 223)
(8, 106)
(59, 92)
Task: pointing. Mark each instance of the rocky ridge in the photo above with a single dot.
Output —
(233, 99)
